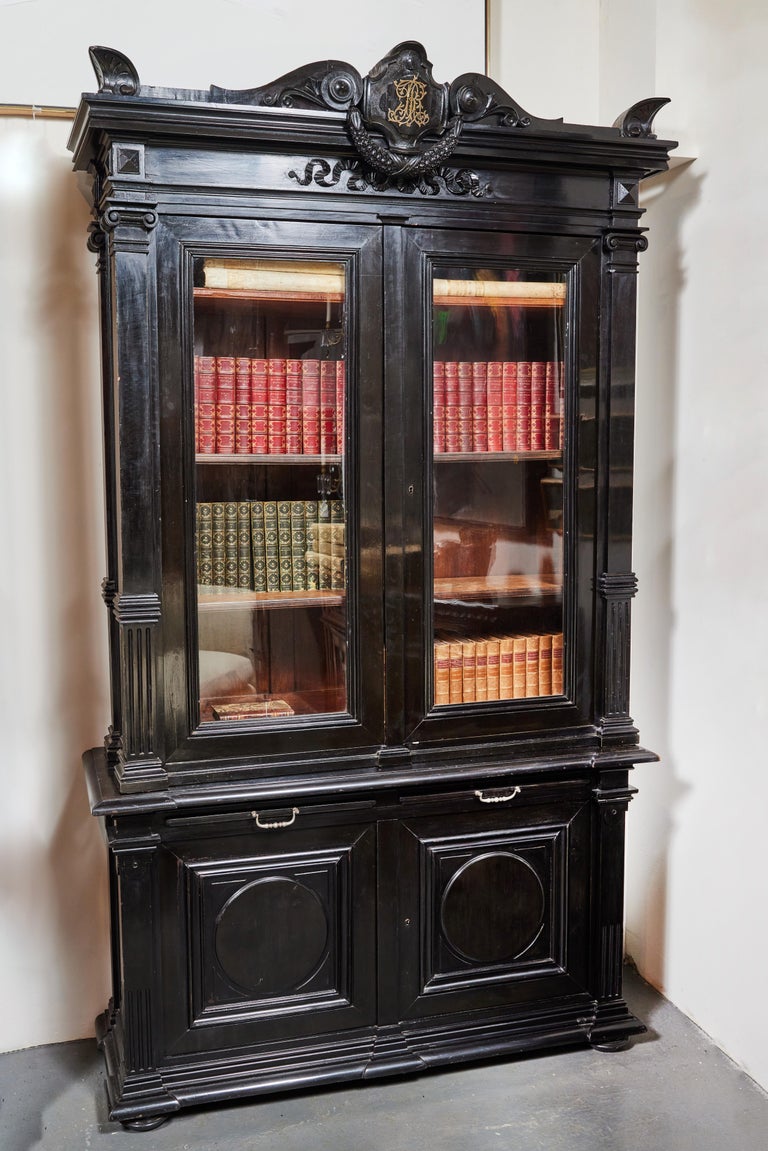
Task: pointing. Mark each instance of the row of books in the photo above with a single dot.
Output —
(498, 406)
(473, 670)
(273, 407)
(271, 545)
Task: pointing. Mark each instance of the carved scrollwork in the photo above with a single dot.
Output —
(625, 242)
(324, 84)
(114, 72)
(457, 182)
(637, 121)
(393, 163)
(476, 97)
(131, 214)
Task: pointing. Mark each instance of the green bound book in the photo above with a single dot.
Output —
(258, 546)
(230, 544)
(284, 545)
(312, 567)
(271, 549)
(217, 545)
(298, 546)
(338, 550)
(244, 563)
(322, 539)
(204, 545)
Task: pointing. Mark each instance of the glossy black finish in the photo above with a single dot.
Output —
(448, 883)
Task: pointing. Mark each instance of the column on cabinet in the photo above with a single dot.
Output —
(271, 514)
(498, 421)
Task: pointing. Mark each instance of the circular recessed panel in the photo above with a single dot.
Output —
(492, 908)
(271, 936)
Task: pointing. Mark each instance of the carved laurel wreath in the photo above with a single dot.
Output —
(383, 159)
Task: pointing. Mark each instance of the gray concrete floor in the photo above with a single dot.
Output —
(673, 1090)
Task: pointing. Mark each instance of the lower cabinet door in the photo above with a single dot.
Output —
(267, 937)
(492, 909)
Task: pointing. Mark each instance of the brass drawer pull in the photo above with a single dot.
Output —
(497, 798)
(275, 823)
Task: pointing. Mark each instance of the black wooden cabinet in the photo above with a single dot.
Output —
(368, 376)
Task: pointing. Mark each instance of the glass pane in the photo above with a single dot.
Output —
(498, 426)
(270, 400)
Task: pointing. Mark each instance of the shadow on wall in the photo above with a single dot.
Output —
(668, 198)
(52, 863)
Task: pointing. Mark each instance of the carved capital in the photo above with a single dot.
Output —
(108, 591)
(137, 609)
(115, 73)
(617, 585)
(623, 248)
(637, 121)
(122, 215)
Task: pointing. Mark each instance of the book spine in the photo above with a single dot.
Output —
(456, 673)
(438, 406)
(480, 407)
(338, 546)
(465, 406)
(327, 407)
(310, 530)
(523, 436)
(244, 559)
(258, 546)
(557, 663)
(509, 406)
(481, 670)
(550, 392)
(196, 374)
(271, 548)
(321, 535)
(468, 672)
(495, 407)
(506, 667)
(242, 406)
(205, 544)
(218, 555)
(230, 544)
(341, 393)
(285, 558)
(310, 406)
(205, 374)
(560, 402)
(493, 656)
(545, 664)
(538, 399)
(259, 408)
(293, 414)
(532, 665)
(276, 406)
(442, 673)
(225, 405)
(451, 406)
(298, 546)
(519, 667)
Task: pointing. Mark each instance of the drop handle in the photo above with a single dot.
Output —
(273, 824)
(505, 798)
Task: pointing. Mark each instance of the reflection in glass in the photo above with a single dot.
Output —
(270, 539)
(498, 425)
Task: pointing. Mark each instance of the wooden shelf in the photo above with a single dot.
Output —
(229, 598)
(274, 458)
(276, 295)
(464, 588)
(491, 457)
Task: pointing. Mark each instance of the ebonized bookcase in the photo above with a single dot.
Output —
(368, 352)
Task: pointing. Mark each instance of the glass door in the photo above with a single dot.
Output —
(270, 479)
(498, 340)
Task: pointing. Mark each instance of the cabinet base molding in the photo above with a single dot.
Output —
(343, 1057)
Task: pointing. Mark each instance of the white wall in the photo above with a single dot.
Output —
(53, 671)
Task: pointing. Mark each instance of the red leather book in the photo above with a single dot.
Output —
(225, 405)
(560, 401)
(538, 397)
(523, 436)
(276, 406)
(242, 406)
(465, 406)
(495, 407)
(451, 406)
(259, 408)
(293, 416)
(205, 374)
(310, 406)
(509, 405)
(479, 407)
(327, 407)
(438, 406)
(550, 391)
(341, 384)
